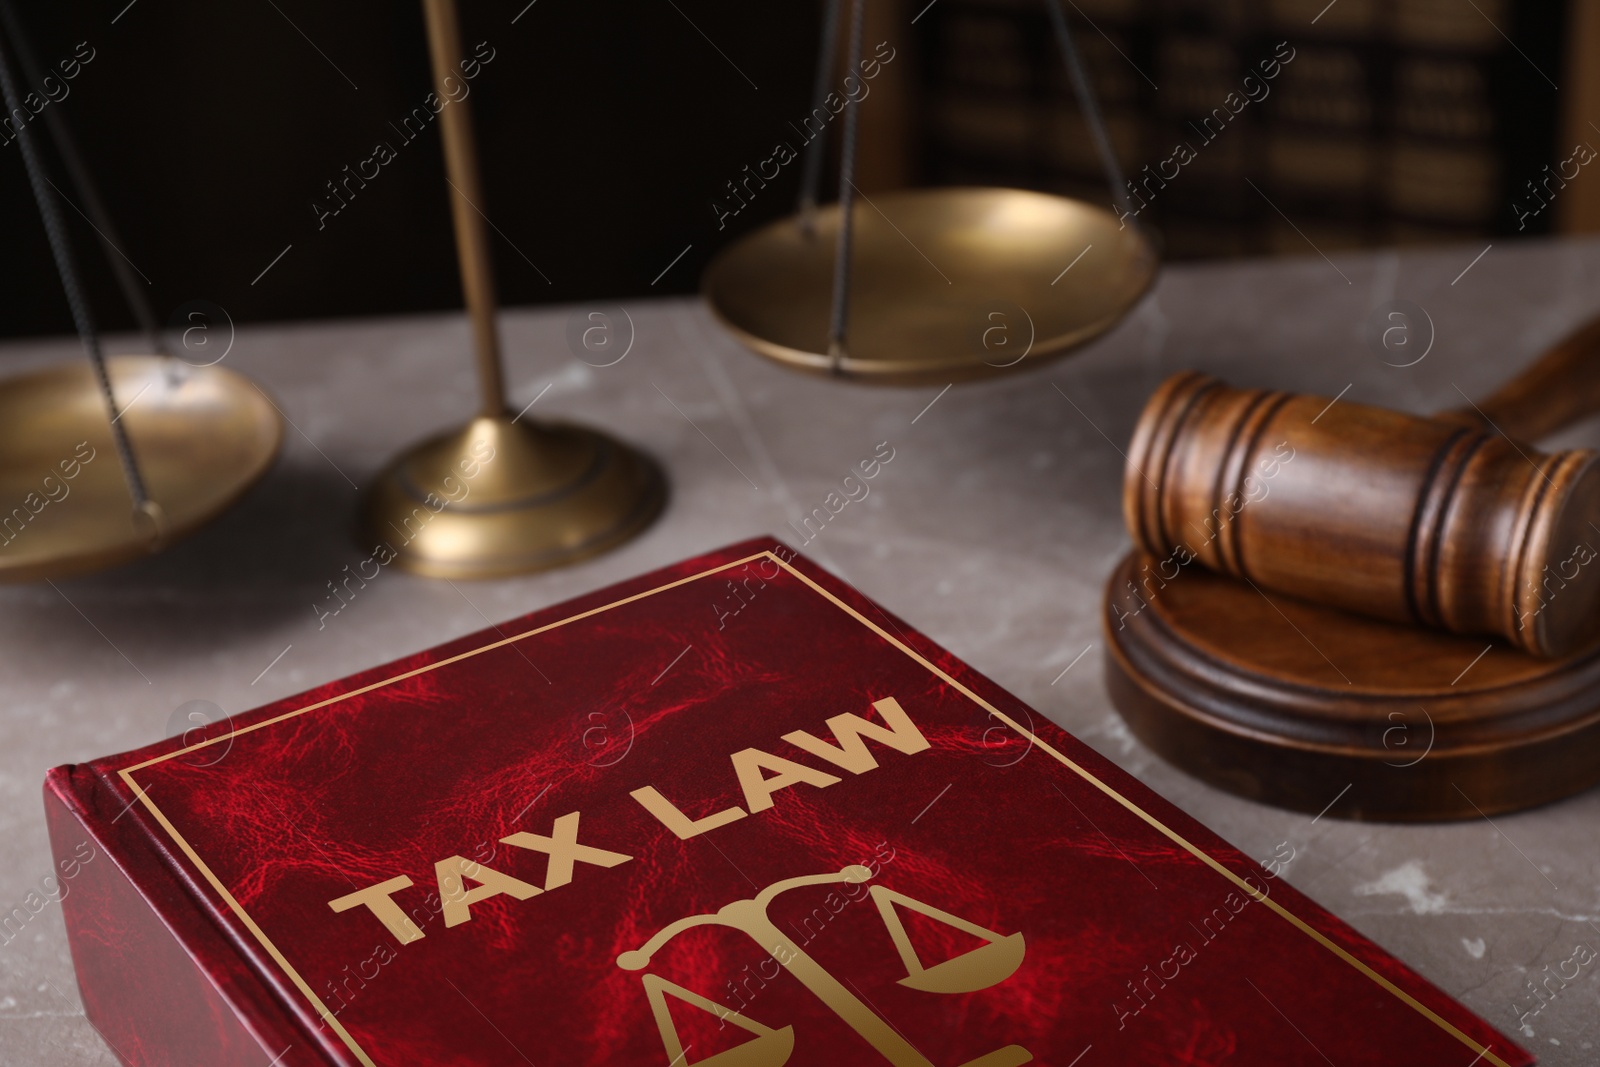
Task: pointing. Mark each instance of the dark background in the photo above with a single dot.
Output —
(606, 127)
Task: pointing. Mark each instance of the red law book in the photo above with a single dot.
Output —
(728, 813)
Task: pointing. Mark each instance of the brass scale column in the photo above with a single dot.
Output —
(502, 495)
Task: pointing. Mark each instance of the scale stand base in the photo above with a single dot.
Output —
(500, 497)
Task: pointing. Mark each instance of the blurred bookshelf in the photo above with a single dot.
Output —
(1250, 127)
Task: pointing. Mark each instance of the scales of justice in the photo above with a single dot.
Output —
(190, 438)
(839, 290)
(982, 967)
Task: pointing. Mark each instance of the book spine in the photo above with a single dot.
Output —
(160, 981)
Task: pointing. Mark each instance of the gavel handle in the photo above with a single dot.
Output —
(1560, 388)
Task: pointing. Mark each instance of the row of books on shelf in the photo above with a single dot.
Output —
(1443, 24)
(1386, 120)
(1241, 222)
(1449, 181)
(1429, 93)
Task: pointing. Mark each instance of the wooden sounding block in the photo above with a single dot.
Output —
(1289, 703)
(1331, 600)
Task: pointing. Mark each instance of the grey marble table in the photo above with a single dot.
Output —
(992, 529)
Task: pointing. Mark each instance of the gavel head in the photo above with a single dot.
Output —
(1432, 521)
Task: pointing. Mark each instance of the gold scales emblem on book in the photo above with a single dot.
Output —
(980, 968)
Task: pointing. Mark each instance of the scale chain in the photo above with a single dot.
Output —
(61, 250)
(847, 188)
(78, 172)
(811, 177)
(1090, 104)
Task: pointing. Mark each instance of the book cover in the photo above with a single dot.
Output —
(729, 813)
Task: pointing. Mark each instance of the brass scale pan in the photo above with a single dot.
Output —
(203, 435)
(932, 286)
(996, 259)
(101, 470)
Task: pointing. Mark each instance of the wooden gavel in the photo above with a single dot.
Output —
(1449, 521)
